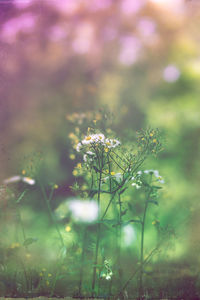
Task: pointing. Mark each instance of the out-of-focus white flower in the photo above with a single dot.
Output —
(28, 180)
(136, 185)
(118, 177)
(12, 179)
(128, 235)
(90, 153)
(19, 178)
(156, 174)
(88, 156)
(78, 147)
(84, 210)
(160, 179)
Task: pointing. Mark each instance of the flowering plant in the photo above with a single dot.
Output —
(110, 170)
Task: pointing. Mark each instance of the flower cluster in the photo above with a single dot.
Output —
(97, 139)
(107, 272)
(137, 182)
(156, 174)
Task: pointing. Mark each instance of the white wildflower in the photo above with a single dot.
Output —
(118, 177)
(139, 173)
(12, 179)
(78, 147)
(111, 143)
(160, 179)
(156, 174)
(97, 138)
(19, 178)
(90, 153)
(28, 180)
(138, 186)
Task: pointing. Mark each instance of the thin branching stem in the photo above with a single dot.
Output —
(136, 271)
(142, 242)
(97, 241)
(52, 215)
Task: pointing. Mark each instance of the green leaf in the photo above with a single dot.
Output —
(21, 196)
(63, 252)
(29, 241)
(157, 187)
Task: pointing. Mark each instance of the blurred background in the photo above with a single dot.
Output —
(140, 58)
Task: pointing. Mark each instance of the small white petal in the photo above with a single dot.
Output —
(146, 171)
(28, 180)
(156, 173)
(12, 179)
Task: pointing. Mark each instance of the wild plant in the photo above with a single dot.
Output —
(109, 170)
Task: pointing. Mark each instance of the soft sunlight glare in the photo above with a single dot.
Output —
(175, 5)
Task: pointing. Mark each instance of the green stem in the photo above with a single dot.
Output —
(97, 241)
(21, 223)
(136, 271)
(117, 163)
(82, 261)
(119, 241)
(142, 245)
(24, 238)
(106, 210)
(47, 200)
